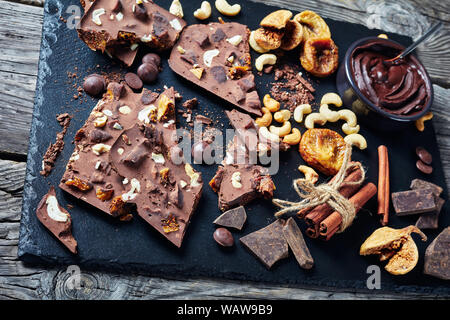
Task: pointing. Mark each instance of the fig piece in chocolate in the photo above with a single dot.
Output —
(56, 219)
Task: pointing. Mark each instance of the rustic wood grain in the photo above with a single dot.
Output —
(20, 31)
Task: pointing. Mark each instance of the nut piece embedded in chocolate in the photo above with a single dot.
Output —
(234, 218)
(413, 201)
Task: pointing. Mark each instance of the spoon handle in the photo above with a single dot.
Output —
(433, 29)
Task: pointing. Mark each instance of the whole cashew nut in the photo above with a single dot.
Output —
(282, 131)
(266, 119)
(349, 130)
(349, 116)
(176, 9)
(300, 111)
(226, 9)
(204, 12)
(309, 173)
(262, 60)
(331, 98)
(255, 46)
(270, 103)
(332, 116)
(293, 138)
(355, 139)
(420, 122)
(282, 116)
(267, 135)
(314, 118)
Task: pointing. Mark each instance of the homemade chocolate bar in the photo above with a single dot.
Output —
(217, 58)
(56, 219)
(238, 185)
(437, 256)
(127, 159)
(234, 218)
(117, 24)
(413, 201)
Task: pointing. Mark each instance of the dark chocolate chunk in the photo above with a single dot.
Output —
(413, 201)
(422, 184)
(136, 156)
(98, 136)
(148, 97)
(424, 167)
(152, 58)
(203, 119)
(117, 6)
(201, 39)
(223, 237)
(219, 74)
(424, 155)
(190, 57)
(140, 12)
(133, 81)
(118, 90)
(160, 25)
(252, 100)
(56, 219)
(218, 35)
(430, 220)
(94, 85)
(148, 72)
(247, 84)
(437, 256)
(97, 178)
(267, 244)
(191, 103)
(234, 218)
(296, 242)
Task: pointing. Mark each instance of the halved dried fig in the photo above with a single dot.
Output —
(320, 57)
(293, 35)
(405, 259)
(323, 149)
(313, 25)
(268, 39)
(276, 19)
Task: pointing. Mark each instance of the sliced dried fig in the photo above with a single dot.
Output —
(276, 19)
(320, 57)
(323, 149)
(268, 39)
(405, 259)
(293, 35)
(313, 25)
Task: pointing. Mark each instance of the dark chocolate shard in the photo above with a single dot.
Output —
(57, 220)
(422, 184)
(219, 74)
(98, 136)
(296, 242)
(430, 220)
(437, 256)
(267, 244)
(201, 39)
(413, 201)
(218, 35)
(234, 218)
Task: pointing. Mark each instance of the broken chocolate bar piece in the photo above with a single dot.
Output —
(245, 128)
(267, 244)
(413, 201)
(108, 25)
(430, 220)
(238, 185)
(422, 184)
(127, 159)
(234, 218)
(217, 58)
(57, 220)
(296, 242)
(437, 256)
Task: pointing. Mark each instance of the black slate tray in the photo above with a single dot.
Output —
(106, 244)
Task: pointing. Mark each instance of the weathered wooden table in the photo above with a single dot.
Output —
(20, 36)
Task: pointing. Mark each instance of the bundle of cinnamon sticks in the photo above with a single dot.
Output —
(323, 221)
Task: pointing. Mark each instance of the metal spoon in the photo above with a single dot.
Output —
(411, 48)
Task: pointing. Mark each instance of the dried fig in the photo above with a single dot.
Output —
(268, 39)
(405, 259)
(323, 149)
(313, 25)
(293, 35)
(320, 57)
(276, 19)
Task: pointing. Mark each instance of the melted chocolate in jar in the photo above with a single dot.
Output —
(399, 88)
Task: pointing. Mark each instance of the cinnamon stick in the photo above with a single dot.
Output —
(383, 183)
(312, 232)
(330, 225)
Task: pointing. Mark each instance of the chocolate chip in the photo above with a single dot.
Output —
(190, 57)
(152, 58)
(140, 12)
(223, 237)
(98, 136)
(149, 97)
(94, 84)
(133, 81)
(201, 38)
(424, 155)
(424, 167)
(217, 36)
(219, 74)
(148, 72)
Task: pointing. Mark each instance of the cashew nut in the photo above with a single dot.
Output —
(176, 9)
(349, 129)
(255, 46)
(331, 98)
(300, 111)
(355, 139)
(204, 12)
(267, 135)
(270, 103)
(226, 9)
(349, 117)
(282, 131)
(100, 148)
(282, 116)
(332, 116)
(420, 122)
(262, 60)
(100, 122)
(309, 173)
(314, 118)
(266, 119)
(293, 138)
(383, 36)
